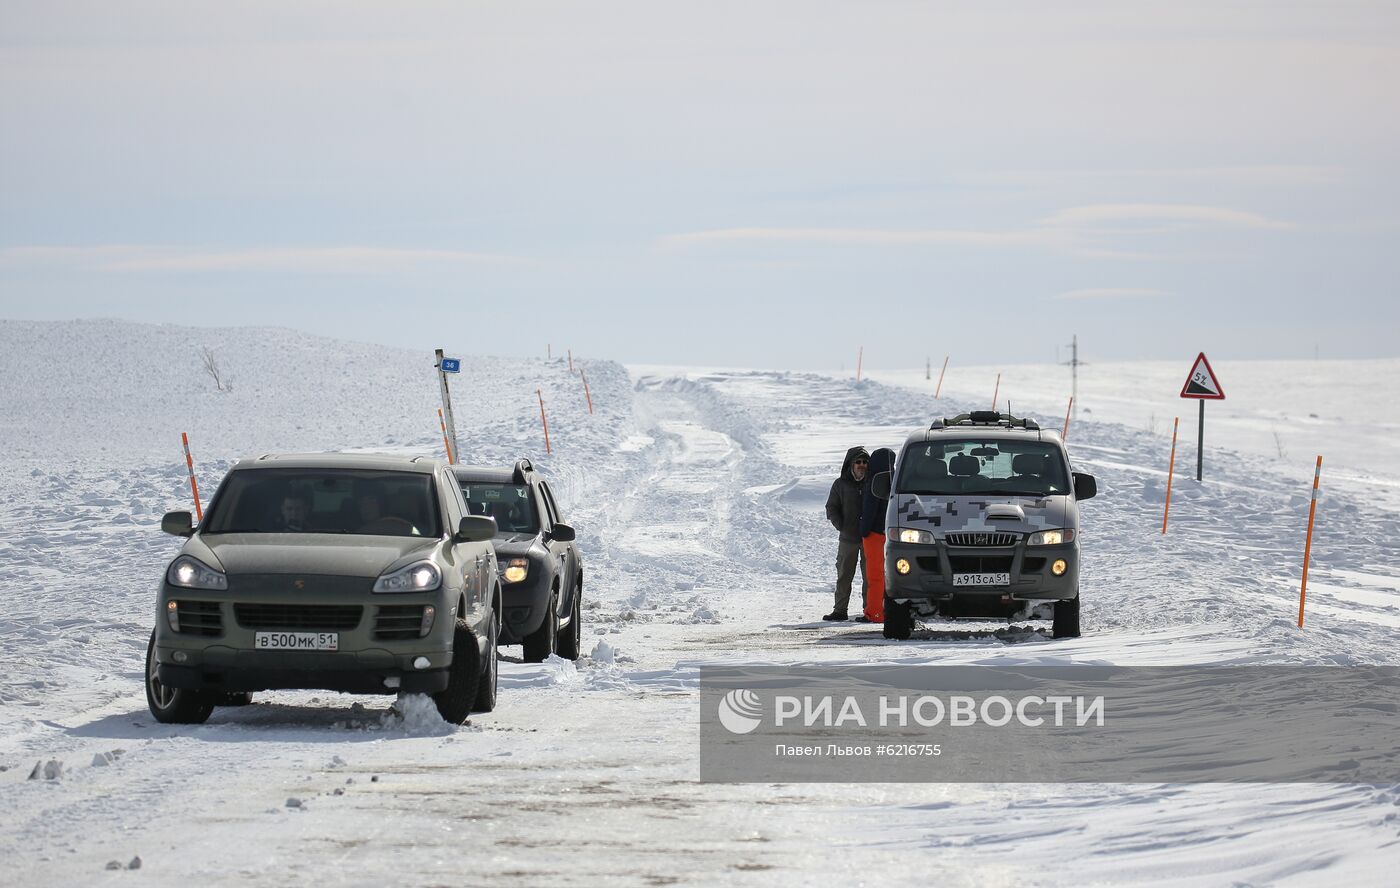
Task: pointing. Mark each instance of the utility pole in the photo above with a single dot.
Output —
(1074, 363)
(446, 404)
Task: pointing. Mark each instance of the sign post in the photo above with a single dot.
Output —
(445, 366)
(1203, 386)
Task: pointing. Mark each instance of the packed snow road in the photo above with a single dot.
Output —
(698, 501)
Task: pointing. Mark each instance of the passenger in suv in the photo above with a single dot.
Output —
(541, 571)
(983, 522)
(347, 572)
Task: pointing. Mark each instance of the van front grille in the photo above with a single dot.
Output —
(980, 564)
(983, 538)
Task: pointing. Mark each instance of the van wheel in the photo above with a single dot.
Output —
(173, 706)
(540, 643)
(1066, 623)
(486, 692)
(567, 645)
(899, 621)
(454, 703)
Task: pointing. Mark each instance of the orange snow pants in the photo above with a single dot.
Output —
(874, 544)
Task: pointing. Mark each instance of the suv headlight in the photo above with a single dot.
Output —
(516, 570)
(421, 576)
(910, 535)
(191, 573)
(1050, 537)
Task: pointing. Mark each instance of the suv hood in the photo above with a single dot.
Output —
(340, 555)
(951, 514)
(514, 545)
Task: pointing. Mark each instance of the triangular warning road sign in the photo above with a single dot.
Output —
(1202, 382)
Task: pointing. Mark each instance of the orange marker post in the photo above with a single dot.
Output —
(940, 377)
(194, 486)
(571, 360)
(445, 446)
(1064, 433)
(586, 393)
(544, 422)
(1307, 546)
(860, 358)
(996, 392)
(1171, 467)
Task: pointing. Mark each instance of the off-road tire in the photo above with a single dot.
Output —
(174, 706)
(540, 643)
(486, 691)
(1066, 623)
(899, 621)
(454, 703)
(571, 636)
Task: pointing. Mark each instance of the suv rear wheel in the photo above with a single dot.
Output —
(454, 703)
(174, 706)
(486, 692)
(567, 645)
(540, 643)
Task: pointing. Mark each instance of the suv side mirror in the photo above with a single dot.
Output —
(180, 524)
(880, 485)
(1085, 487)
(562, 533)
(476, 529)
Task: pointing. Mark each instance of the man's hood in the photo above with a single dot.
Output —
(339, 555)
(953, 514)
(850, 458)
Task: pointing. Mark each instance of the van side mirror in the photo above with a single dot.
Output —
(180, 524)
(880, 485)
(476, 529)
(562, 533)
(1085, 487)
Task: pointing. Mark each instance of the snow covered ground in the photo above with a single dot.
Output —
(697, 495)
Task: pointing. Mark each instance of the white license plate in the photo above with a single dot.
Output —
(991, 579)
(297, 641)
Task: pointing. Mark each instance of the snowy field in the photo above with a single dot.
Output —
(697, 496)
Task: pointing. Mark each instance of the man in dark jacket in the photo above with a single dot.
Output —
(843, 508)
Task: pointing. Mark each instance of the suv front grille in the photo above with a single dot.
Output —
(199, 618)
(983, 538)
(399, 621)
(980, 564)
(297, 616)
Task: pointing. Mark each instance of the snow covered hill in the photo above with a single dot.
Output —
(697, 495)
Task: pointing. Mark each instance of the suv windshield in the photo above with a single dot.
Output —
(375, 503)
(971, 467)
(510, 504)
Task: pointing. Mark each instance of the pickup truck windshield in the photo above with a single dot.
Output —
(374, 503)
(971, 467)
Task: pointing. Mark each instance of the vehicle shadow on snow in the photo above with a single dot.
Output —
(267, 720)
(871, 634)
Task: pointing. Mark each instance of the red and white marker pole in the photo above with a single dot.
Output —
(586, 393)
(543, 421)
(996, 392)
(860, 359)
(1064, 433)
(938, 390)
(194, 485)
(445, 445)
(1171, 468)
(1307, 546)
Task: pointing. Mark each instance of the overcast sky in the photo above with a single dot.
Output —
(768, 184)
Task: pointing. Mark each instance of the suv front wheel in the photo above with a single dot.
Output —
(454, 703)
(173, 706)
(540, 643)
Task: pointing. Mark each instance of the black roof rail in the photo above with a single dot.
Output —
(521, 467)
(986, 417)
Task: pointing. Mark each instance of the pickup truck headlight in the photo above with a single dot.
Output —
(910, 535)
(1050, 537)
(191, 573)
(421, 576)
(516, 570)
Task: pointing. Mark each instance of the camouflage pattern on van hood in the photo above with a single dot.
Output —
(953, 514)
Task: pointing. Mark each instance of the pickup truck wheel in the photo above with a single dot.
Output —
(486, 693)
(540, 643)
(173, 706)
(567, 645)
(1066, 624)
(899, 622)
(454, 703)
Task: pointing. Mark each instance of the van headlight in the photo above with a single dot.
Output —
(191, 573)
(1050, 537)
(910, 535)
(422, 576)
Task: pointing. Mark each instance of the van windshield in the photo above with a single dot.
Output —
(972, 467)
(375, 503)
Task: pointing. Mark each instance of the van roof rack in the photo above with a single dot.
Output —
(987, 418)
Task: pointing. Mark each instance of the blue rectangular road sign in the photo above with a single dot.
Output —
(451, 365)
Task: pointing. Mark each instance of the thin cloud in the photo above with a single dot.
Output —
(1093, 215)
(868, 236)
(1107, 293)
(1255, 174)
(323, 260)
